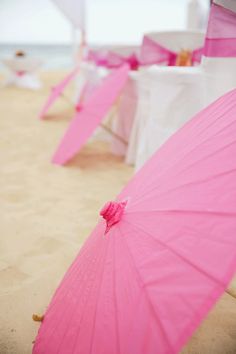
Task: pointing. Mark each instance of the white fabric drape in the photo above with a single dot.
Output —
(75, 11)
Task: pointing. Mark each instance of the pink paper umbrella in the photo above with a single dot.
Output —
(57, 91)
(164, 253)
(90, 115)
(220, 39)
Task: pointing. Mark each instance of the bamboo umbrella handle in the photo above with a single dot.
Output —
(231, 292)
(109, 130)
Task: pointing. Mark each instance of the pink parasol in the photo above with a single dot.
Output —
(90, 115)
(154, 53)
(166, 251)
(220, 39)
(57, 92)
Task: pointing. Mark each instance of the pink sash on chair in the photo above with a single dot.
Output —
(221, 33)
(154, 53)
(115, 60)
(112, 60)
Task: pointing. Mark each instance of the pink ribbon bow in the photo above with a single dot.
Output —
(112, 60)
(154, 53)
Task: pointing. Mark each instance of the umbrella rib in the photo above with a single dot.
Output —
(115, 296)
(98, 296)
(72, 271)
(193, 235)
(189, 153)
(186, 260)
(100, 261)
(228, 172)
(141, 284)
(66, 294)
(72, 276)
(207, 212)
(185, 169)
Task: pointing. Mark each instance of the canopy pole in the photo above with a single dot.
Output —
(74, 45)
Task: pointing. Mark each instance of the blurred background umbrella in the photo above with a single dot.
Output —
(91, 114)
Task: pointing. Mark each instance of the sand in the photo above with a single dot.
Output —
(47, 212)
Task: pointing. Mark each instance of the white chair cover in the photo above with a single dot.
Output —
(158, 89)
(175, 96)
(178, 40)
(23, 72)
(123, 122)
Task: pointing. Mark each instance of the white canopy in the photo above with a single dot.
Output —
(74, 10)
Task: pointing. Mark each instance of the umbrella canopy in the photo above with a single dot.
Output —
(57, 91)
(90, 115)
(220, 39)
(162, 256)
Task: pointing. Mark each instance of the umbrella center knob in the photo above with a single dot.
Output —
(112, 212)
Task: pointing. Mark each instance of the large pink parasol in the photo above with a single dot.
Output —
(220, 39)
(91, 114)
(166, 251)
(57, 92)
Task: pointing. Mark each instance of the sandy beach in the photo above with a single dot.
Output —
(47, 212)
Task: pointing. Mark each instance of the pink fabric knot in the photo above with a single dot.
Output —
(78, 107)
(112, 212)
(133, 62)
(20, 73)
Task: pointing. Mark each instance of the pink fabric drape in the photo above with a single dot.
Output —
(74, 11)
(154, 53)
(221, 33)
(111, 60)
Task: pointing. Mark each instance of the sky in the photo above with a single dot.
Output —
(108, 21)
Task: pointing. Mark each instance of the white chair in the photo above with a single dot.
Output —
(177, 93)
(23, 72)
(173, 99)
(143, 94)
(159, 89)
(178, 40)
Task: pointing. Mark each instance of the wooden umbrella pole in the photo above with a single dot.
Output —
(67, 99)
(231, 292)
(109, 130)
